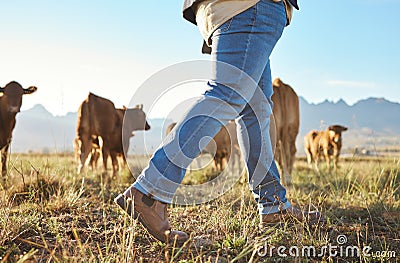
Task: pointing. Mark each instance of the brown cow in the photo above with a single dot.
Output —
(286, 126)
(327, 143)
(226, 145)
(98, 116)
(10, 105)
(97, 144)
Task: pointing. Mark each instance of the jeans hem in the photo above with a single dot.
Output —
(272, 209)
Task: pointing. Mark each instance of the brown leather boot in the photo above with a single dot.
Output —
(292, 213)
(152, 214)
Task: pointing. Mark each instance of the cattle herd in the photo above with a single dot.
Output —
(105, 131)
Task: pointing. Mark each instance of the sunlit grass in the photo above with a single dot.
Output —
(49, 213)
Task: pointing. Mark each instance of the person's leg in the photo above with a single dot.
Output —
(257, 148)
(241, 50)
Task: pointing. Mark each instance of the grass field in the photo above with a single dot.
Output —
(48, 213)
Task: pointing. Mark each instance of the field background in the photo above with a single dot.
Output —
(48, 213)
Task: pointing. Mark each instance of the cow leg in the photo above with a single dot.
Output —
(215, 166)
(94, 158)
(4, 154)
(312, 159)
(225, 160)
(114, 162)
(221, 159)
(336, 159)
(278, 154)
(327, 158)
(97, 157)
(292, 150)
(91, 159)
(287, 155)
(292, 157)
(282, 159)
(121, 158)
(309, 159)
(85, 148)
(106, 153)
(77, 149)
(315, 152)
(123, 161)
(309, 156)
(215, 162)
(287, 162)
(218, 162)
(335, 163)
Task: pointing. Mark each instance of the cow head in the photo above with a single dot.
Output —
(12, 96)
(135, 119)
(335, 132)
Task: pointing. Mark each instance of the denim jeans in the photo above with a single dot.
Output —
(241, 91)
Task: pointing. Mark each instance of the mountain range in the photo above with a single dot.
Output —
(372, 122)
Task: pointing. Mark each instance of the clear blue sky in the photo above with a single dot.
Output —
(333, 49)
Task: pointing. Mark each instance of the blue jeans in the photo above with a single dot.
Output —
(241, 89)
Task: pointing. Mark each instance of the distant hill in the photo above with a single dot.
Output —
(377, 114)
(371, 122)
(39, 131)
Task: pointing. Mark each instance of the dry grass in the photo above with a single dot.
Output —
(50, 214)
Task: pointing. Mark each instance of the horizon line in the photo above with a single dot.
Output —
(300, 97)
